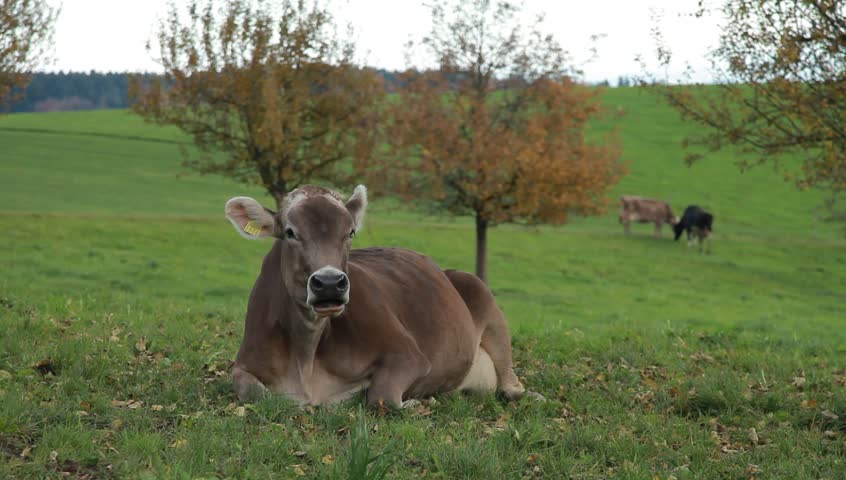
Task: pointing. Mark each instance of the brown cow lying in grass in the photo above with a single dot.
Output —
(325, 321)
(645, 210)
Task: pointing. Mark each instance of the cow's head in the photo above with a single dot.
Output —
(315, 227)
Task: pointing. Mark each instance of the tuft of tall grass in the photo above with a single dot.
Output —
(364, 463)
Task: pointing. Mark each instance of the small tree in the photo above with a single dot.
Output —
(497, 131)
(780, 70)
(269, 86)
(26, 32)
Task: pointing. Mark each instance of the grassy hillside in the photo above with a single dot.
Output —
(110, 160)
(123, 291)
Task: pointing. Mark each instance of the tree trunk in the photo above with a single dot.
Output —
(481, 248)
(278, 192)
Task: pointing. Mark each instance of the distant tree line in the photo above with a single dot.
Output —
(61, 91)
(73, 91)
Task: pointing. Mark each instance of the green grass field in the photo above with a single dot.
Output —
(123, 290)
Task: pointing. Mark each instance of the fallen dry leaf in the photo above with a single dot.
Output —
(178, 443)
(830, 415)
(702, 357)
(156, 408)
(328, 460)
(130, 404)
(798, 382)
(240, 412)
(532, 459)
(645, 398)
(808, 404)
(298, 470)
(753, 436)
(423, 410)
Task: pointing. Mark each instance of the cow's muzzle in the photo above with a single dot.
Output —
(328, 292)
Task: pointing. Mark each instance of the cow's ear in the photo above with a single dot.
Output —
(357, 205)
(249, 218)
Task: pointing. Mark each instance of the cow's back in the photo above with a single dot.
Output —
(642, 209)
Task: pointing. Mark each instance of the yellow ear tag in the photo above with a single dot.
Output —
(252, 228)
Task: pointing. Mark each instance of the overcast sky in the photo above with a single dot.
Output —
(109, 35)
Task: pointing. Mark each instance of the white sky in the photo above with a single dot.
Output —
(109, 35)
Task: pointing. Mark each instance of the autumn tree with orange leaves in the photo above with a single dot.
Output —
(780, 92)
(26, 33)
(497, 131)
(270, 85)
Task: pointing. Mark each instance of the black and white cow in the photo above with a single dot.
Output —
(695, 222)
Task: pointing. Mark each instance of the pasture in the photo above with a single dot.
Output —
(123, 290)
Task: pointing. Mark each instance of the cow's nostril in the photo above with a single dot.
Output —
(343, 283)
(316, 285)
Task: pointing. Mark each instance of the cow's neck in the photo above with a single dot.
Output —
(305, 335)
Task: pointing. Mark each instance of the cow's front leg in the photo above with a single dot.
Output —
(658, 233)
(247, 386)
(395, 374)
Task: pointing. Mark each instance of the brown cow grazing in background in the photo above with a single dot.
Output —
(645, 210)
(325, 321)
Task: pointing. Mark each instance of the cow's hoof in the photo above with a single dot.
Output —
(382, 408)
(513, 392)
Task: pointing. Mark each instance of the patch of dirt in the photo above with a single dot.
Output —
(47, 367)
(83, 471)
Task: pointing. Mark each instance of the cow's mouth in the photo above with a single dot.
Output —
(328, 307)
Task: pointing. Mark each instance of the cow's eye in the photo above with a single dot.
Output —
(352, 233)
(289, 233)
